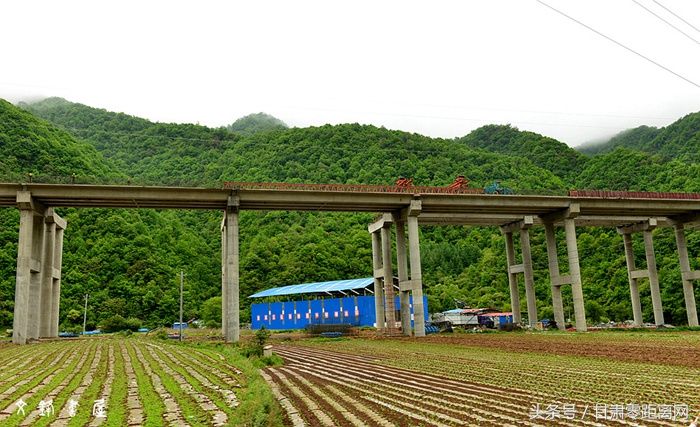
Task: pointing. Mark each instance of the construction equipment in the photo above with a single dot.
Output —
(497, 188)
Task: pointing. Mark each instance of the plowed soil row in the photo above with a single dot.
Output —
(352, 389)
(678, 349)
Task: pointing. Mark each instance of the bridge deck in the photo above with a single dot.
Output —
(464, 208)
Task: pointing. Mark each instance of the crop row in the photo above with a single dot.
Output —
(324, 387)
(141, 383)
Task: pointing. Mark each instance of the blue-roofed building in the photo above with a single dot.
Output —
(348, 302)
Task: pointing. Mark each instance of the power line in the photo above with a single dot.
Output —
(665, 21)
(677, 16)
(619, 44)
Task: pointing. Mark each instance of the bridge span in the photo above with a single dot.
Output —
(37, 290)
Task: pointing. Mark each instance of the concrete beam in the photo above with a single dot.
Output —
(571, 212)
(639, 274)
(52, 217)
(386, 220)
(523, 224)
(517, 268)
(647, 225)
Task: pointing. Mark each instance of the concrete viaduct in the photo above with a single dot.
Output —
(38, 282)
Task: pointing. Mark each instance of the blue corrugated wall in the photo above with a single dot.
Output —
(358, 311)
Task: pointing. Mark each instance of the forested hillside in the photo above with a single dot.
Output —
(680, 139)
(130, 259)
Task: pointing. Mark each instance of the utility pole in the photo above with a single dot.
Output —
(85, 314)
(182, 281)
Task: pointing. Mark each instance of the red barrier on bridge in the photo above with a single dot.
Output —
(357, 188)
(608, 194)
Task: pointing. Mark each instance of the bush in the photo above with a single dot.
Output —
(255, 348)
(118, 323)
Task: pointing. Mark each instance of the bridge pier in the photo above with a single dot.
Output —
(568, 217)
(687, 274)
(556, 278)
(38, 278)
(378, 274)
(651, 272)
(388, 273)
(526, 268)
(416, 282)
(402, 266)
(381, 261)
(230, 281)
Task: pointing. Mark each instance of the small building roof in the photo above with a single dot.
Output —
(316, 288)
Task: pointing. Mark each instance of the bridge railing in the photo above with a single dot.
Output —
(359, 188)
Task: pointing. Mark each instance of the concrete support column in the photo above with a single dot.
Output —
(686, 273)
(390, 305)
(56, 287)
(529, 277)
(224, 292)
(23, 278)
(653, 278)
(416, 275)
(634, 286)
(402, 266)
(555, 275)
(232, 272)
(36, 276)
(512, 279)
(378, 288)
(47, 279)
(575, 273)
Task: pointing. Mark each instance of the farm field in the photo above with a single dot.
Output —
(601, 378)
(141, 381)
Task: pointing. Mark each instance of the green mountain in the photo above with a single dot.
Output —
(680, 139)
(150, 153)
(545, 152)
(30, 145)
(255, 123)
(129, 260)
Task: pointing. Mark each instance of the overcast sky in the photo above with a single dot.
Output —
(440, 68)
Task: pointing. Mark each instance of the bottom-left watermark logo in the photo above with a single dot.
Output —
(46, 408)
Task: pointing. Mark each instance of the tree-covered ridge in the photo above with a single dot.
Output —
(626, 169)
(635, 138)
(31, 145)
(365, 154)
(255, 123)
(679, 140)
(545, 152)
(149, 153)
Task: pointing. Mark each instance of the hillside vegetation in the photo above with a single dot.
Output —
(129, 260)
